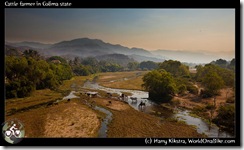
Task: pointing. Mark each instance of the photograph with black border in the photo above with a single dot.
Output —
(118, 73)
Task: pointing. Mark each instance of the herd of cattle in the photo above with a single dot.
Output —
(122, 97)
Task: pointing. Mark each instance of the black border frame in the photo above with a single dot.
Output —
(136, 141)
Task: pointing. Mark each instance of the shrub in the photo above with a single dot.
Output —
(192, 89)
(182, 89)
(207, 94)
(226, 117)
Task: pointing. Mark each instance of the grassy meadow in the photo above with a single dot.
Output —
(122, 80)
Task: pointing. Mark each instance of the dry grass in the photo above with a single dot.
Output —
(72, 119)
(188, 102)
(128, 122)
(221, 99)
(37, 97)
(122, 80)
(76, 81)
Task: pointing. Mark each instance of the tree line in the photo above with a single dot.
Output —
(24, 74)
(30, 71)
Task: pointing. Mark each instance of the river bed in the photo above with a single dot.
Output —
(102, 133)
(163, 112)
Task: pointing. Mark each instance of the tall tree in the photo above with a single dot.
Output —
(160, 85)
(213, 83)
(150, 65)
(176, 68)
(133, 65)
(221, 62)
(32, 53)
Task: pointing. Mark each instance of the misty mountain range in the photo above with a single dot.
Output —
(85, 47)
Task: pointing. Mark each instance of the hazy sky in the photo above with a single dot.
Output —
(151, 29)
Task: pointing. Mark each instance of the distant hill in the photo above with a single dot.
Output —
(34, 45)
(85, 47)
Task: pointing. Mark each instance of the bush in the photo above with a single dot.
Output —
(226, 117)
(207, 94)
(19, 88)
(182, 89)
(192, 89)
(160, 85)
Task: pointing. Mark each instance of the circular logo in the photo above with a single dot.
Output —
(13, 131)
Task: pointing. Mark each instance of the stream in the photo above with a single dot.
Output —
(157, 110)
(102, 133)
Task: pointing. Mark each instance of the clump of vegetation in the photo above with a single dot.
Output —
(160, 85)
(192, 89)
(226, 117)
(171, 78)
(148, 65)
(214, 77)
(182, 89)
(30, 72)
(212, 83)
(133, 66)
(176, 68)
(224, 64)
(226, 75)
